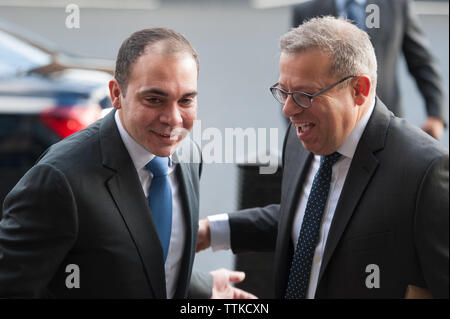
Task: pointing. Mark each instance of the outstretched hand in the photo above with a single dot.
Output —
(222, 289)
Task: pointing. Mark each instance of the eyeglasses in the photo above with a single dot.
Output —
(302, 99)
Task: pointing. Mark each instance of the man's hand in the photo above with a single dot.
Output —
(222, 288)
(204, 235)
(434, 127)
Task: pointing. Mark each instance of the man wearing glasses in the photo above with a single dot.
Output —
(398, 31)
(364, 203)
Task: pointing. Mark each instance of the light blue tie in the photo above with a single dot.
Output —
(356, 13)
(160, 200)
(309, 233)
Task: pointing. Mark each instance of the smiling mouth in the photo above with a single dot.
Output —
(303, 128)
(168, 137)
(163, 135)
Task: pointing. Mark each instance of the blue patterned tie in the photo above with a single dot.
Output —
(356, 13)
(309, 234)
(160, 200)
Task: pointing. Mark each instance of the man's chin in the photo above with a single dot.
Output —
(163, 151)
(310, 147)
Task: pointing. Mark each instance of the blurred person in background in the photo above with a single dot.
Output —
(399, 31)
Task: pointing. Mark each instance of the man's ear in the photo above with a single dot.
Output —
(361, 88)
(115, 93)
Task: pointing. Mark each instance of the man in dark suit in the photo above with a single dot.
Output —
(364, 198)
(112, 211)
(398, 31)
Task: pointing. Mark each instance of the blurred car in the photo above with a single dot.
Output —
(45, 96)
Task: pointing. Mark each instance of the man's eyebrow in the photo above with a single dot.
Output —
(163, 93)
(153, 91)
(299, 88)
(193, 94)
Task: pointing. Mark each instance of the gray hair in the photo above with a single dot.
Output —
(348, 46)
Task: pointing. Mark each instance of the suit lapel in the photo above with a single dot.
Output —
(295, 169)
(362, 168)
(190, 197)
(294, 178)
(185, 175)
(126, 191)
(190, 206)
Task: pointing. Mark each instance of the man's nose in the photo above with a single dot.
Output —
(172, 115)
(291, 108)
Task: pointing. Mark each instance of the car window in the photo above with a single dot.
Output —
(17, 56)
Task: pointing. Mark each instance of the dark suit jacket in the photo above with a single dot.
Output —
(399, 31)
(83, 204)
(392, 212)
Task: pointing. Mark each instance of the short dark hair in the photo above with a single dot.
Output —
(135, 45)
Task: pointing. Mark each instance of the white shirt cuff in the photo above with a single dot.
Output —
(220, 231)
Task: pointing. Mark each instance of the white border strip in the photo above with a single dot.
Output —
(420, 7)
(93, 4)
(267, 4)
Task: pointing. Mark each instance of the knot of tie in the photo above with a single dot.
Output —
(329, 160)
(158, 166)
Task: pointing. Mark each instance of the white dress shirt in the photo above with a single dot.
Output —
(220, 228)
(140, 157)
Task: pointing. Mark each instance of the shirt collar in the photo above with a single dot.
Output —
(349, 147)
(139, 155)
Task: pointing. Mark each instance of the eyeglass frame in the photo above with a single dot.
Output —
(309, 96)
